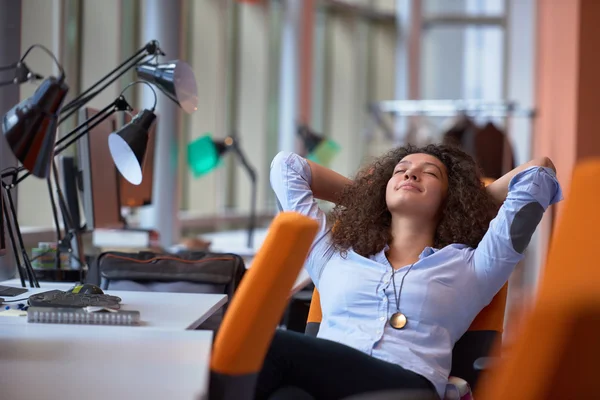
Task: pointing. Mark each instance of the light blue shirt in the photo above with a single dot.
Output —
(442, 294)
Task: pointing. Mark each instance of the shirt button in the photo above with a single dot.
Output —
(382, 318)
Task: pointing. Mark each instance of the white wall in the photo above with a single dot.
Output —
(252, 102)
(40, 23)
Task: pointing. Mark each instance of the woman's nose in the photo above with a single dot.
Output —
(410, 175)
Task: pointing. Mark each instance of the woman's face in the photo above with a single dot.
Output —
(418, 185)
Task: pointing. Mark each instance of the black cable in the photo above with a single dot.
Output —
(15, 300)
(45, 49)
(42, 254)
(144, 83)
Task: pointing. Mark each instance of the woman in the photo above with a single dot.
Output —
(411, 261)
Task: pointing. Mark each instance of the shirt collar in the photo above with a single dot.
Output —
(427, 251)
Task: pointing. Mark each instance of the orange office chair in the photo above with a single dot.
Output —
(255, 311)
(556, 353)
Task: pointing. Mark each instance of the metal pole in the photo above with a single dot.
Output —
(288, 77)
(161, 21)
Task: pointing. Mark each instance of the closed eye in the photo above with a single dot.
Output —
(431, 173)
(400, 171)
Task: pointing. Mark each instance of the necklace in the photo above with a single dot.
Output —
(398, 320)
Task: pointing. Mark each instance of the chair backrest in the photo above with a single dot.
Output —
(555, 354)
(475, 343)
(254, 313)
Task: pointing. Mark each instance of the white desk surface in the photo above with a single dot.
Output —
(158, 310)
(237, 242)
(102, 362)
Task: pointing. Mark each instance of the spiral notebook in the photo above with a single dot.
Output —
(82, 316)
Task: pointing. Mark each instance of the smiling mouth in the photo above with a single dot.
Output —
(409, 187)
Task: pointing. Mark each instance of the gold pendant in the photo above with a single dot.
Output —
(398, 320)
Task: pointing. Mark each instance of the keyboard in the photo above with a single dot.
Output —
(9, 291)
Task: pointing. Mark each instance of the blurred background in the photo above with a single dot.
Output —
(362, 76)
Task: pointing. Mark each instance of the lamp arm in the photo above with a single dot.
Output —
(22, 73)
(57, 263)
(150, 49)
(252, 174)
(80, 101)
(15, 230)
(13, 241)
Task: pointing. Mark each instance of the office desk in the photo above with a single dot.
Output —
(158, 310)
(102, 362)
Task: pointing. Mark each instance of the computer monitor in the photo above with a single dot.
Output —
(2, 224)
(70, 188)
(99, 182)
(140, 195)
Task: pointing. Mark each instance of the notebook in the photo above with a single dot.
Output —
(84, 315)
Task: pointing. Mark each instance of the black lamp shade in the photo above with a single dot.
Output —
(30, 126)
(176, 79)
(310, 139)
(128, 146)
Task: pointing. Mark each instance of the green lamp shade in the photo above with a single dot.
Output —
(203, 156)
(324, 152)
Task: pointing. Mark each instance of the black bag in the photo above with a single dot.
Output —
(187, 272)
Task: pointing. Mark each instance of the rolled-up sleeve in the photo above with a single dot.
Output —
(530, 193)
(290, 179)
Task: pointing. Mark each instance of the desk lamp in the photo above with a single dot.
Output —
(318, 148)
(204, 155)
(175, 79)
(36, 149)
(29, 129)
(30, 126)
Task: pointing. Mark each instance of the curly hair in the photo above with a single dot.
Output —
(362, 220)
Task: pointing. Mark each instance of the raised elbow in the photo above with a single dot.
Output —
(546, 162)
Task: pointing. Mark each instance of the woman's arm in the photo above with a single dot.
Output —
(499, 188)
(531, 191)
(326, 184)
(294, 180)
